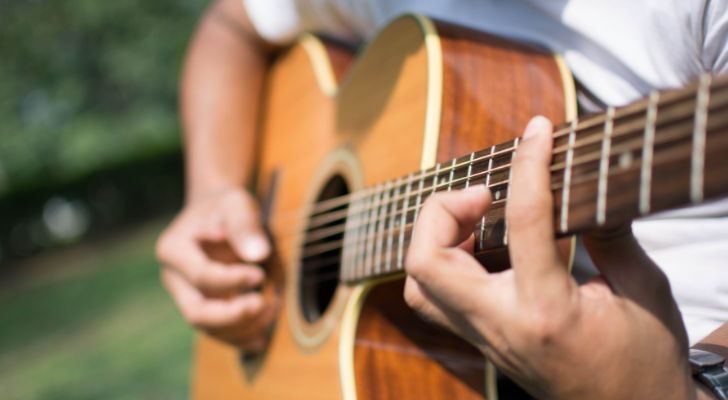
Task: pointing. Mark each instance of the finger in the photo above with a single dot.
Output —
(211, 314)
(245, 230)
(437, 263)
(187, 257)
(251, 333)
(445, 222)
(532, 247)
(449, 218)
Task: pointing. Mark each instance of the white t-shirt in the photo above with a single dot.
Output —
(619, 50)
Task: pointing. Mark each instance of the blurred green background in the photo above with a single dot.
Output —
(90, 172)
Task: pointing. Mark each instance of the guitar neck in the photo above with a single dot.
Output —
(665, 151)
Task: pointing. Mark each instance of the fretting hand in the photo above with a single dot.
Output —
(618, 336)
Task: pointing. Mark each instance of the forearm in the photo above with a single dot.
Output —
(220, 96)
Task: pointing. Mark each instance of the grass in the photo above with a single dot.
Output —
(95, 324)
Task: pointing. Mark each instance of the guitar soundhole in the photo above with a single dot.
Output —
(321, 250)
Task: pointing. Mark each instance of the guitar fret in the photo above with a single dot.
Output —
(381, 227)
(372, 231)
(508, 191)
(647, 152)
(564, 225)
(420, 188)
(396, 192)
(403, 223)
(362, 240)
(604, 167)
(435, 179)
(699, 131)
(487, 187)
(470, 170)
(452, 174)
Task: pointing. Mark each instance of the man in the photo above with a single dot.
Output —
(618, 51)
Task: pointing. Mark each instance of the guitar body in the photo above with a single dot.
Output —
(420, 93)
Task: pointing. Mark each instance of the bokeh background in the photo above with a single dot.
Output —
(90, 172)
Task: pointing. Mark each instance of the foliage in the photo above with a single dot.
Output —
(85, 84)
(94, 324)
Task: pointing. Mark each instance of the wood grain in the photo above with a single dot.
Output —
(491, 90)
(493, 87)
(399, 356)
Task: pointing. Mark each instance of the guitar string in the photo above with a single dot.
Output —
(328, 230)
(395, 193)
(378, 269)
(317, 218)
(577, 145)
(315, 249)
(390, 253)
(586, 160)
(614, 169)
(387, 227)
(386, 255)
(597, 120)
(373, 267)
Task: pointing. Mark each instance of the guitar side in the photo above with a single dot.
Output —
(422, 92)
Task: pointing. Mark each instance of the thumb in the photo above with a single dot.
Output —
(244, 229)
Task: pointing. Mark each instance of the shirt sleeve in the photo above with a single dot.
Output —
(715, 36)
(281, 21)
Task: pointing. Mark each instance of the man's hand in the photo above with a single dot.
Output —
(217, 292)
(619, 336)
(211, 251)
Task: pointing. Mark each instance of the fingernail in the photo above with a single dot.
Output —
(537, 124)
(475, 188)
(256, 248)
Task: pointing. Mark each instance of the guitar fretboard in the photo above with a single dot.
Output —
(665, 151)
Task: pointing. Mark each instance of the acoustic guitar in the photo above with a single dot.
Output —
(350, 151)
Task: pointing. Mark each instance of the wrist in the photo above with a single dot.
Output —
(710, 373)
(212, 180)
(196, 193)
